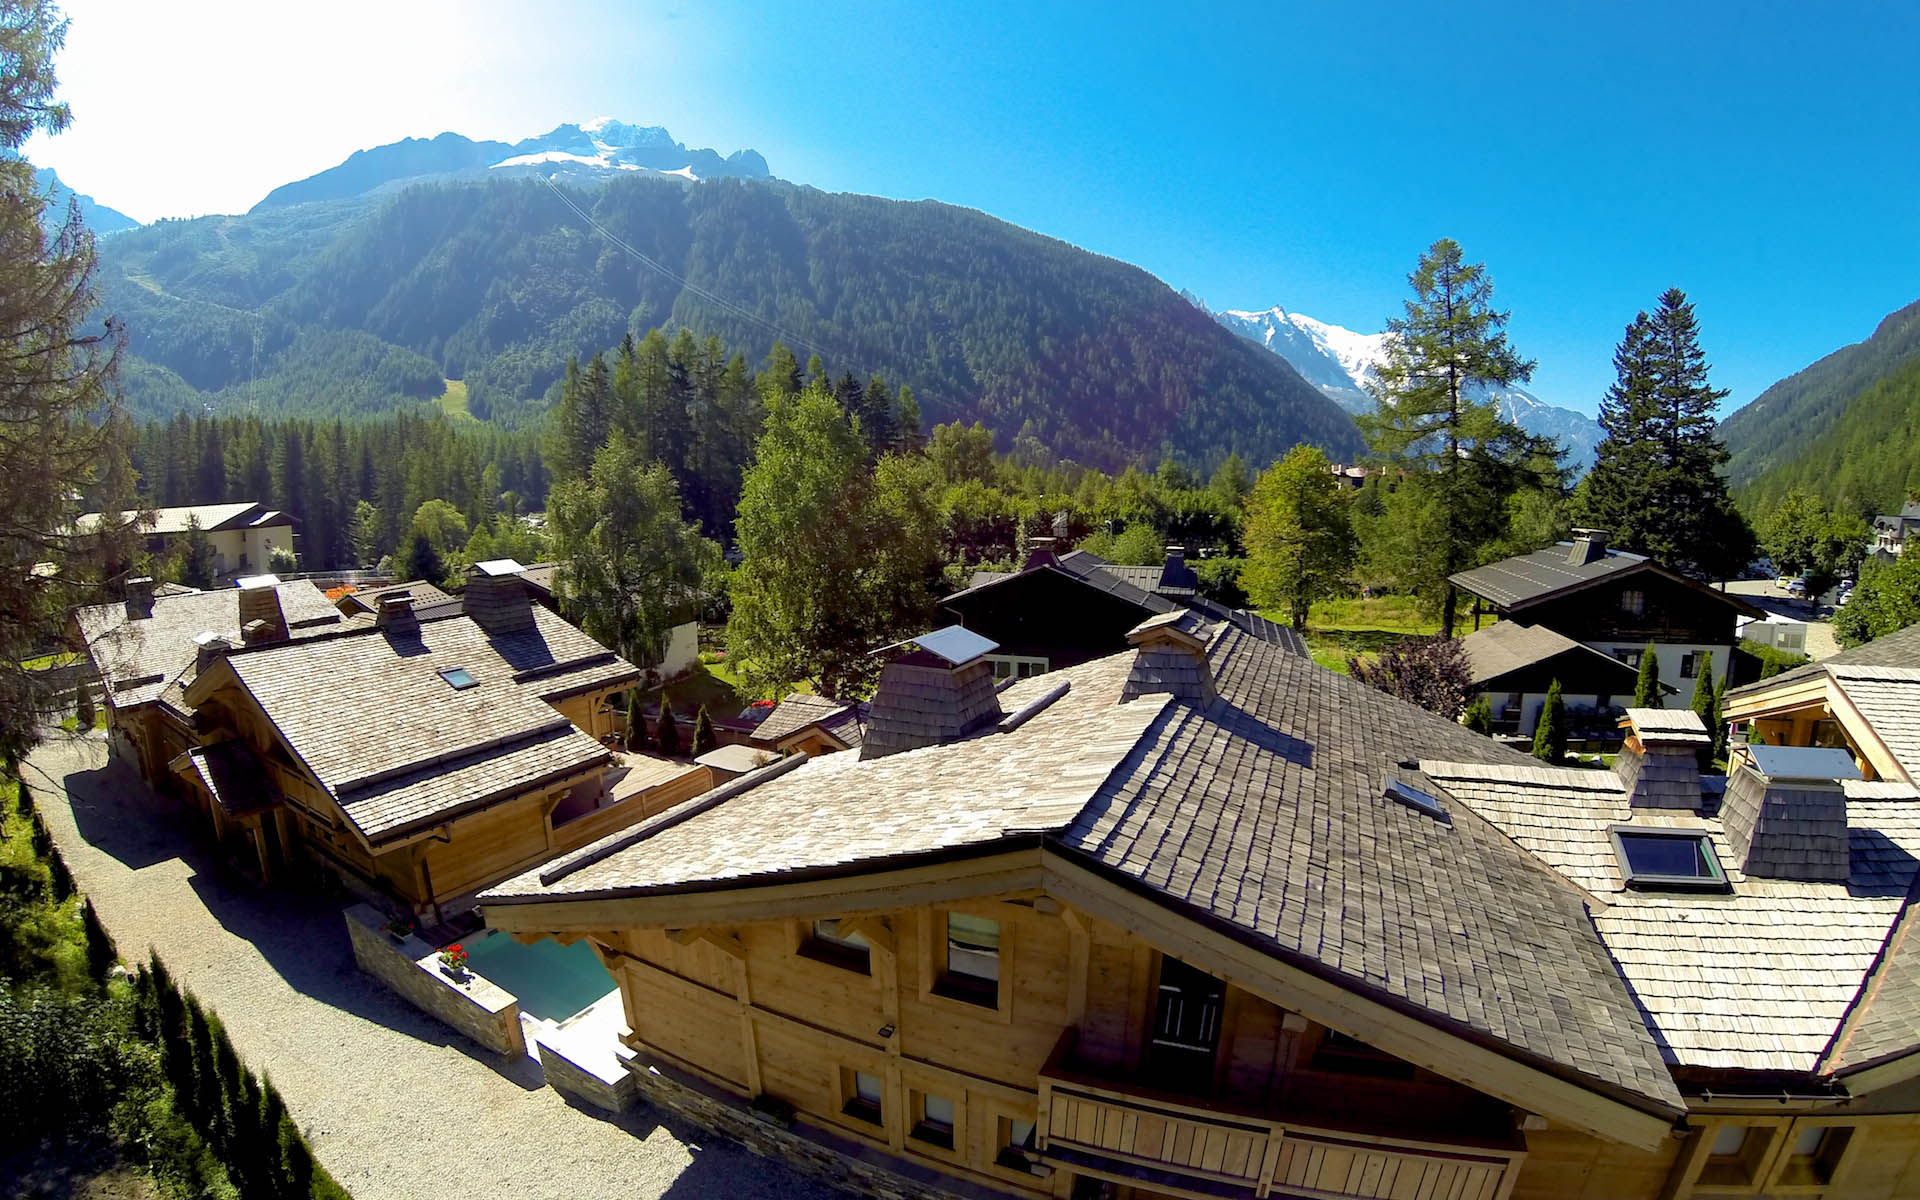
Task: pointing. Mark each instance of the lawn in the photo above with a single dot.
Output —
(64, 658)
(1361, 626)
(453, 401)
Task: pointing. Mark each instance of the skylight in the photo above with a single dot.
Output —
(1668, 859)
(1416, 799)
(458, 678)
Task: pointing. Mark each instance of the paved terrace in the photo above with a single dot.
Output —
(395, 1104)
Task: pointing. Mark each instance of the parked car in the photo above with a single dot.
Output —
(1797, 587)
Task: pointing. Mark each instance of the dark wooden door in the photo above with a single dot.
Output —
(1186, 1027)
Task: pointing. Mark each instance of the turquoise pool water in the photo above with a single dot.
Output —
(551, 981)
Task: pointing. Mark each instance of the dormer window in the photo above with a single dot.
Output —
(1667, 859)
(459, 678)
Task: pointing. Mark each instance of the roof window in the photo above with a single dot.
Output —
(1672, 859)
(1417, 800)
(459, 678)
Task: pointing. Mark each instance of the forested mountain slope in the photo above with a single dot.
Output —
(1868, 460)
(497, 283)
(1770, 436)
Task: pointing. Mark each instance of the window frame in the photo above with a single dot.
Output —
(1008, 1155)
(938, 990)
(1822, 1170)
(940, 1136)
(1638, 607)
(447, 677)
(857, 1106)
(1650, 881)
(963, 985)
(834, 952)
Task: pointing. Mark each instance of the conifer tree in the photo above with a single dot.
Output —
(1719, 729)
(1656, 485)
(1646, 688)
(1479, 715)
(1463, 459)
(636, 722)
(668, 732)
(704, 741)
(1550, 735)
(907, 437)
(83, 707)
(203, 1093)
(100, 952)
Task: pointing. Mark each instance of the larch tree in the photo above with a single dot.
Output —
(1298, 538)
(1433, 421)
(1656, 484)
(62, 432)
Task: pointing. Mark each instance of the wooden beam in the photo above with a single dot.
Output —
(727, 943)
(875, 929)
(1375, 1023)
(1079, 963)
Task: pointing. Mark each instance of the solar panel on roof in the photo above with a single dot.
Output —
(1804, 762)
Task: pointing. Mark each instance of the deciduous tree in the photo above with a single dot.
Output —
(1803, 536)
(1299, 541)
(1430, 672)
(1886, 599)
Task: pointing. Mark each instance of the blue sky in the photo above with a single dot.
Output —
(1759, 156)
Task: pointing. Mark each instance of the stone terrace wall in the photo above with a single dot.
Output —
(482, 1011)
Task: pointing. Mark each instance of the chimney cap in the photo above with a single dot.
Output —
(955, 645)
(1820, 763)
(248, 582)
(1655, 725)
(496, 566)
(141, 581)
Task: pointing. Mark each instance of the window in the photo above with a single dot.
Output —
(828, 942)
(1629, 657)
(866, 1096)
(973, 959)
(458, 678)
(1416, 799)
(1016, 666)
(1675, 859)
(1016, 1144)
(1689, 665)
(1735, 1154)
(1814, 1156)
(1633, 602)
(936, 1120)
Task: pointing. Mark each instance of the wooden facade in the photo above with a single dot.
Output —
(1082, 1072)
(1048, 615)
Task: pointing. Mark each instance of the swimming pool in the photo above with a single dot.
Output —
(551, 981)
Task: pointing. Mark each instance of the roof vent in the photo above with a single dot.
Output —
(1660, 762)
(1786, 812)
(496, 597)
(935, 688)
(1589, 545)
(140, 598)
(1171, 656)
(260, 606)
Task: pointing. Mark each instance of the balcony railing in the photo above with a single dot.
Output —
(1112, 1129)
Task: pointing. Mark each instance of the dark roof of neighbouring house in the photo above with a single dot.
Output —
(423, 594)
(1262, 812)
(412, 749)
(801, 711)
(138, 658)
(1527, 579)
(1508, 646)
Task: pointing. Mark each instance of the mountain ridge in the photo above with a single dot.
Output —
(1340, 362)
(97, 217)
(583, 152)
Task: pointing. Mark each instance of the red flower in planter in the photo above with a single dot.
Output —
(454, 958)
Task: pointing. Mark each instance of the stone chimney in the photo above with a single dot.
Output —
(396, 613)
(209, 648)
(1660, 762)
(1589, 545)
(140, 598)
(496, 597)
(934, 689)
(1171, 656)
(1044, 551)
(1785, 812)
(260, 617)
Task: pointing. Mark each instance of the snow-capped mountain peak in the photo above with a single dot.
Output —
(1342, 362)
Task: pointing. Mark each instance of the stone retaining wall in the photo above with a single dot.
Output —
(571, 1079)
(855, 1168)
(477, 1008)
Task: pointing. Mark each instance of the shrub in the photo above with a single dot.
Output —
(1479, 715)
(668, 733)
(1430, 672)
(703, 738)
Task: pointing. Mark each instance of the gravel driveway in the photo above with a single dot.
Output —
(395, 1104)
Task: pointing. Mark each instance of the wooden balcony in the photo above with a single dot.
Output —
(1193, 1146)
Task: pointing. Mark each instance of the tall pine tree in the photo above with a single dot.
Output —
(1656, 485)
(1433, 420)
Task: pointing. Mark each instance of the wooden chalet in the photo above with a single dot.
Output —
(1514, 665)
(1614, 602)
(810, 724)
(1061, 610)
(420, 756)
(1202, 919)
(1865, 700)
